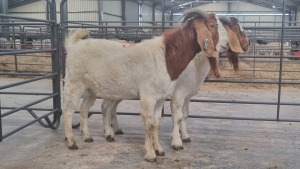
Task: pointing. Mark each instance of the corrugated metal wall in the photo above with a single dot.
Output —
(33, 10)
(87, 10)
(256, 13)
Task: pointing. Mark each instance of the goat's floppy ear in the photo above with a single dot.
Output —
(204, 38)
(233, 40)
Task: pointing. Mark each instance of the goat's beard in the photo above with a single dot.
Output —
(213, 62)
(233, 59)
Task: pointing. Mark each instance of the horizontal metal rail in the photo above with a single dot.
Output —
(22, 74)
(26, 51)
(244, 102)
(28, 105)
(249, 81)
(24, 93)
(209, 117)
(36, 109)
(25, 18)
(28, 124)
(27, 81)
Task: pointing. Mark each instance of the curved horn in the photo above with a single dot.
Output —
(188, 14)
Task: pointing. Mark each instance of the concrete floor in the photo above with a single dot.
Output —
(215, 143)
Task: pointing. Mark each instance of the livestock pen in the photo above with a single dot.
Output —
(263, 92)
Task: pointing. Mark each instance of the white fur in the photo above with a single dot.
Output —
(103, 68)
(186, 87)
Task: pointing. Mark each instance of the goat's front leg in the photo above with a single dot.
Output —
(88, 101)
(148, 106)
(177, 116)
(158, 111)
(183, 130)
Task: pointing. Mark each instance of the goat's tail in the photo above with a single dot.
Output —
(74, 37)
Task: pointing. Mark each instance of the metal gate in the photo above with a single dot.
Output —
(29, 53)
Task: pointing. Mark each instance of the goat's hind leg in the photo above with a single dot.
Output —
(114, 119)
(72, 94)
(108, 111)
(87, 102)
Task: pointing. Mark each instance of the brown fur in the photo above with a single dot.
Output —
(183, 43)
(233, 58)
(181, 47)
(242, 37)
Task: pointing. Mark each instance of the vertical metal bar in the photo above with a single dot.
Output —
(47, 11)
(4, 10)
(1, 137)
(153, 12)
(123, 5)
(171, 18)
(15, 56)
(281, 59)
(63, 23)
(100, 11)
(163, 14)
(140, 13)
(56, 69)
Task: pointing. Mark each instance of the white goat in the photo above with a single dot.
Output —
(187, 84)
(98, 67)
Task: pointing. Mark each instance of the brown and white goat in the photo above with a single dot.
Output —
(98, 67)
(188, 82)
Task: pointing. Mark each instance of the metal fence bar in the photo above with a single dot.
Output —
(24, 93)
(281, 59)
(28, 105)
(27, 51)
(27, 81)
(36, 109)
(28, 124)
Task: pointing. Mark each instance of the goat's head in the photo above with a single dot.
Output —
(235, 42)
(207, 35)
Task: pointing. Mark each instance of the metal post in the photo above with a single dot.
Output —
(123, 4)
(171, 18)
(47, 11)
(0, 124)
(153, 12)
(100, 11)
(140, 13)
(163, 14)
(63, 23)
(281, 59)
(4, 10)
(290, 17)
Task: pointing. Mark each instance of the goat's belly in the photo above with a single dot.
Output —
(117, 91)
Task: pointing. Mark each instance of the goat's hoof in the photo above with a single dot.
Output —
(88, 140)
(109, 138)
(159, 153)
(152, 160)
(119, 132)
(73, 147)
(186, 140)
(177, 147)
